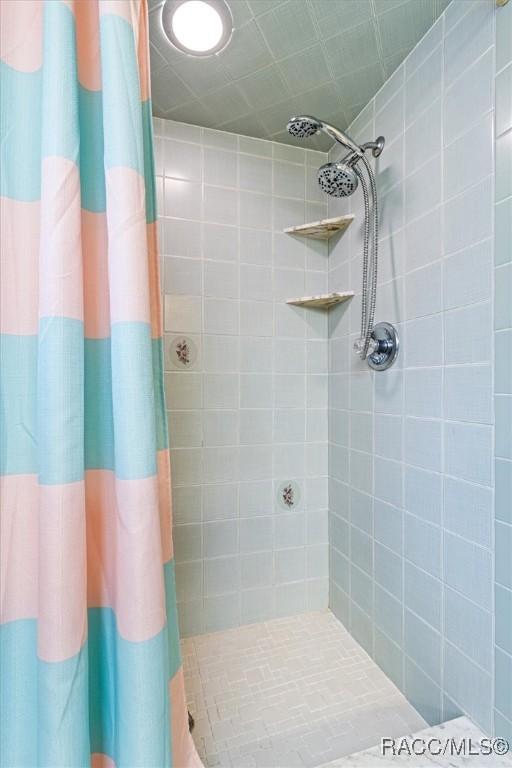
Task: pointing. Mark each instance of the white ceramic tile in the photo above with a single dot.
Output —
(423, 138)
(220, 428)
(220, 501)
(220, 242)
(478, 144)
(255, 390)
(181, 238)
(255, 210)
(220, 205)
(468, 452)
(469, 98)
(220, 168)
(221, 280)
(221, 316)
(468, 40)
(256, 318)
(468, 394)
(182, 160)
(221, 353)
(220, 465)
(182, 276)
(423, 240)
(220, 390)
(422, 443)
(186, 464)
(183, 199)
(253, 716)
(468, 217)
(255, 282)
(255, 247)
(183, 390)
(467, 276)
(185, 429)
(255, 173)
(183, 314)
(423, 291)
(287, 212)
(424, 48)
(504, 167)
(422, 86)
(473, 323)
(255, 426)
(390, 120)
(289, 251)
(423, 189)
(423, 392)
(289, 179)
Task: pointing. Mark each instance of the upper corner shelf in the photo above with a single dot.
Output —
(324, 301)
(324, 229)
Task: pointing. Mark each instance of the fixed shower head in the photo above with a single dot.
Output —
(303, 126)
(338, 179)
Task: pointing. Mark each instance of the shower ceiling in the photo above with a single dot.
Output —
(325, 57)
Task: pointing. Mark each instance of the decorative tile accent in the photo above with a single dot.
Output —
(288, 495)
(182, 353)
(290, 692)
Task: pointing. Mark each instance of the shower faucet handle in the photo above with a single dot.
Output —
(383, 347)
(359, 344)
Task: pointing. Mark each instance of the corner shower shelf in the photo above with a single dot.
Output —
(324, 229)
(323, 301)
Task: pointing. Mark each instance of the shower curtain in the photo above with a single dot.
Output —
(90, 670)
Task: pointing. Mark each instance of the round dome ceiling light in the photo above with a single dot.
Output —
(197, 27)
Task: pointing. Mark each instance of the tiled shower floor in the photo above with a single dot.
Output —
(289, 692)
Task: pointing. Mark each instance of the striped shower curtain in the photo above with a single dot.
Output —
(90, 671)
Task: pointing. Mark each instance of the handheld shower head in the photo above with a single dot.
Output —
(303, 126)
(338, 179)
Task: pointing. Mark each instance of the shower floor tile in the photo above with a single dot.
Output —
(297, 691)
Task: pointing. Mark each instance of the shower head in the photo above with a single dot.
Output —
(338, 179)
(303, 126)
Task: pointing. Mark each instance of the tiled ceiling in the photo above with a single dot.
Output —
(322, 57)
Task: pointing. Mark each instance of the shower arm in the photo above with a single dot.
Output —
(376, 146)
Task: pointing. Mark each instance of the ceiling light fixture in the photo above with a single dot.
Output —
(197, 27)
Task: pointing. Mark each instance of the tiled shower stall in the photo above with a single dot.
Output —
(301, 479)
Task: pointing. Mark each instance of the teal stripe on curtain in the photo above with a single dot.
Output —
(118, 687)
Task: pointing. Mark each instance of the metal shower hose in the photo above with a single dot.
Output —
(369, 289)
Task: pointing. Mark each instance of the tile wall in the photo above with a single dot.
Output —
(246, 376)
(411, 450)
(503, 371)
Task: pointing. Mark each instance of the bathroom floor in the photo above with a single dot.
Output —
(297, 691)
